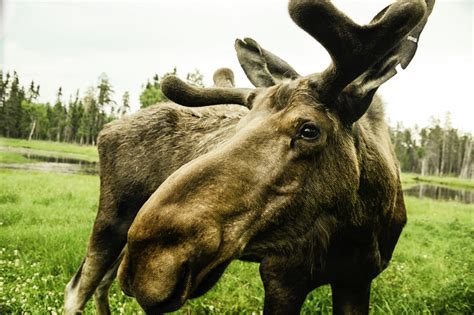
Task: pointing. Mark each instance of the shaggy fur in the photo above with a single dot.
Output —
(137, 153)
(219, 183)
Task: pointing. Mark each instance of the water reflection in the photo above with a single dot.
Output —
(441, 193)
(57, 159)
(66, 168)
(48, 162)
(61, 164)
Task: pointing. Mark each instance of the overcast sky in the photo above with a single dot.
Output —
(70, 43)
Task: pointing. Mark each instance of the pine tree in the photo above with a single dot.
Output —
(59, 115)
(104, 99)
(124, 109)
(33, 92)
(74, 115)
(13, 110)
(3, 93)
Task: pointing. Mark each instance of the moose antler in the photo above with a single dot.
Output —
(357, 96)
(223, 77)
(185, 94)
(408, 47)
(353, 48)
(363, 57)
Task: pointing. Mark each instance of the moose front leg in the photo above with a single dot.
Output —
(103, 254)
(351, 299)
(286, 286)
(98, 268)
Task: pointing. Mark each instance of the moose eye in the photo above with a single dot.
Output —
(309, 132)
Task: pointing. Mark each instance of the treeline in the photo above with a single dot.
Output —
(152, 94)
(438, 149)
(79, 119)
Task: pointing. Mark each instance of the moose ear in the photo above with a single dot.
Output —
(361, 91)
(262, 68)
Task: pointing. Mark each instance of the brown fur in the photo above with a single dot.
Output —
(253, 197)
(137, 153)
(223, 182)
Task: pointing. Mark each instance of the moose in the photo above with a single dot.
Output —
(298, 174)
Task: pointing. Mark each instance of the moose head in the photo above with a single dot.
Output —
(307, 184)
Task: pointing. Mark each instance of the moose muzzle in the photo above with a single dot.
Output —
(197, 221)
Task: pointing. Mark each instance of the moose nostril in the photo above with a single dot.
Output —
(175, 297)
(182, 287)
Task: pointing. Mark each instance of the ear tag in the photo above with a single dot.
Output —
(412, 39)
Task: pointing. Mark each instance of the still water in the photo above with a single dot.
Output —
(441, 193)
(50, 163)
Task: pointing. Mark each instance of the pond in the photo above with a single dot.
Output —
(441, 193)
(55, 159)
(49, 162)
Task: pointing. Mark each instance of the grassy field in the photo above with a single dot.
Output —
(45, 219)
(13, 158)
(47, 148)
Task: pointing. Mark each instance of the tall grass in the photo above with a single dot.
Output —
(46, 219)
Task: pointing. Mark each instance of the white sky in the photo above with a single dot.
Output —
(70, 43)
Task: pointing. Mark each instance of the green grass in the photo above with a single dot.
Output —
(411, 178)
(13, 158)
(82, 152)
(46, 219)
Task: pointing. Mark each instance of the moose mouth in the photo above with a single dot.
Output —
(185, 289)
(177, 297)
(177, 293)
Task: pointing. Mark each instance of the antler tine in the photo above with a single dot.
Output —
(223, 77)
(353, 48)
(185, 94)
(414, 36)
